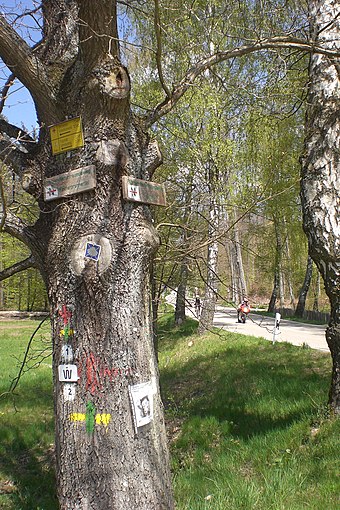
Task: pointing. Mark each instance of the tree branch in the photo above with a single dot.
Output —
(15, 132)
(157, 24)
(22, 61)
(5, 90)
(274, 43)
(13, 155)
(17, 268)
(17, 228)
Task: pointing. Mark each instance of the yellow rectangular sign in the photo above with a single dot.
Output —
(66, 136)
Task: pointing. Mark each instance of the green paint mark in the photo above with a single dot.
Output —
(90, 417)
(66, 332)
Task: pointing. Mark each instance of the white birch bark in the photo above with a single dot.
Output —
(321, 170)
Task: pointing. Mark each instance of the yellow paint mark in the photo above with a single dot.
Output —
(77, 416)
(101, 419)
(69, 332)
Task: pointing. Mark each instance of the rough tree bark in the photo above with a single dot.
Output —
(321, 170)
(100, 310)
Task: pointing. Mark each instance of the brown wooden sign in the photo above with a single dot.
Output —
(75, 181)
(147, 192)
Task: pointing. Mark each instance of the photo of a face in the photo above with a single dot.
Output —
(144, 407)
(142, 403)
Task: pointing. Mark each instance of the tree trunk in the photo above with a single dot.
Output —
(288, 277)
(242, 285)
(94, 251)
(238, 279)
(300, 308)
(321, 174)
(316, 293)
(211, 286)
(278, 285)
(181, 293)
(104, 459)
(235, 292)
(275, 291)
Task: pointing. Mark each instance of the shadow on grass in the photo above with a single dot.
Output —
(256, 388)
(26, 453)
(169, 334)
(32, 473)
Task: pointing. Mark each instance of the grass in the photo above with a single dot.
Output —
(27, 480)
(247, 423)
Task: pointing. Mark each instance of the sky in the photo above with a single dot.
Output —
(19, 108)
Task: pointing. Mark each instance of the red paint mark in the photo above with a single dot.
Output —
(106, 372)
(65, 314)
(95, 373)
(92, 381)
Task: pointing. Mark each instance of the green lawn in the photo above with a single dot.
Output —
(27, 479)
(247, 423)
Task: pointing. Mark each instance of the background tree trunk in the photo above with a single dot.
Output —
(240, 275)
(275, 291)
(211, 285)
(316, 293)
(181, 293)
(300, 307)
(320, 171)
(278, 283)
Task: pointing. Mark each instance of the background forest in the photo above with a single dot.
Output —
(231, 151)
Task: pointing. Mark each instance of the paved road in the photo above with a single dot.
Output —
(289, 331)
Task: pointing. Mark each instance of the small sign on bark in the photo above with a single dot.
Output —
(68, 373)
(92, 251)
(69, 391)
(76, 181)
(147, 192)
(66, 353)
(66, 136)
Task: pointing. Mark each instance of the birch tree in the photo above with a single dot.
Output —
(321, 169)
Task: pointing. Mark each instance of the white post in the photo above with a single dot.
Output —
(276, 326)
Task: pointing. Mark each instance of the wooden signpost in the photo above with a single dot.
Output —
(147, 192)
(66, 136)
(75, 181)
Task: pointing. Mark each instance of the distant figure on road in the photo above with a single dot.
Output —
(197, 306)
(242, 310)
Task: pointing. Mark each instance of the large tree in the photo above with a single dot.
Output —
(321, 169)
(94, 248)
(99, 309)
